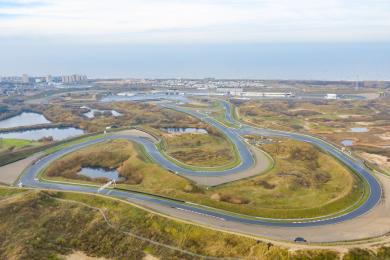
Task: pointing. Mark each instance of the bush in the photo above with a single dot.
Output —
(358, 254)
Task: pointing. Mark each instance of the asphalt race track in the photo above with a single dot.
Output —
(30, 176)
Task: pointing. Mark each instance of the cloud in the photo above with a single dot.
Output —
(198, 20)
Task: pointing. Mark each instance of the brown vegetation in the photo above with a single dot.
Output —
(118, 154)
(133, 114)
(229, 198)
(200, 149)
(42, 225)
(330, 119)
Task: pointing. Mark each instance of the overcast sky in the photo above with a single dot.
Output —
(36, 25)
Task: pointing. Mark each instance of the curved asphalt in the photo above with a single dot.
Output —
(30, 176)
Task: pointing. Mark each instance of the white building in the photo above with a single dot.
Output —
(48, 79)
(234, 91)
(268, 94)
(70, 79)
(331, 96)
(25, 79)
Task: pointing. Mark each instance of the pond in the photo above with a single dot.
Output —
(180, 130)
(359, 129)
(347, 142)
(91, 113)
(24, 119)
(94, 173)
(36, 134)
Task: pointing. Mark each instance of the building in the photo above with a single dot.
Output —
(331, 96)
(72, 79)
(48, 79)
(25, 79)
(233, 91)
(268, 94)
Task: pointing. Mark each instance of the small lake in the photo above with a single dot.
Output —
(91, 113)
(36, 134)
(347, 142)
(189, 130)
(359, 129)
(24, 119)
(94, 173)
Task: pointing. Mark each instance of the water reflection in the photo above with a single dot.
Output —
(24, 119)
(37, 134)
(359, 129)
(179, 130)
(94, 173)
(347, 142)
(91, 113)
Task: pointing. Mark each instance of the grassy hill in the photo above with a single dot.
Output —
(48, 225)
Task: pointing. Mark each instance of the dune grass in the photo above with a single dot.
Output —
(45, 225)
(200, 150)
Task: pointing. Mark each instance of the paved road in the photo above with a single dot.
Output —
(30, 177)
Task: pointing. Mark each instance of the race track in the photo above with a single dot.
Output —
(30, 176)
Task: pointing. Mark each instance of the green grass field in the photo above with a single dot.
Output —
(15, 144)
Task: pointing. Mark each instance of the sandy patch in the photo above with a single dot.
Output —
(307, 126)
(381, 160)
(347, 116)
(364, 123)
(303, 109)
(149, 257)
(9, 173)
(77, 255)
(385, 136)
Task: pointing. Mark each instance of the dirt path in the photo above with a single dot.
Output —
(9, 173)
(77, 255)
